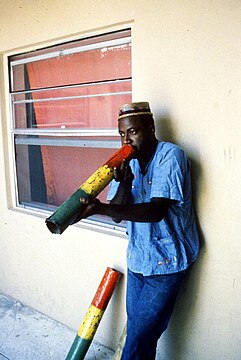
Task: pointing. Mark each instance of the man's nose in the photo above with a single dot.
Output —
(127, 139)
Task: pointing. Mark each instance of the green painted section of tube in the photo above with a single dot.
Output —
(67, 213)
(78, 349)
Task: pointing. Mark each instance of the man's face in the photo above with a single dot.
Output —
(134, 130)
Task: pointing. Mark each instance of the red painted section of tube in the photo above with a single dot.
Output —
(125, 152)
(106, 288)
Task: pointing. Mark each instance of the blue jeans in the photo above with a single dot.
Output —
(149, 304)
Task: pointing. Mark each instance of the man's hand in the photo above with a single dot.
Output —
(91, 206)
(123, 173)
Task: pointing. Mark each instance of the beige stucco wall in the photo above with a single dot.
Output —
(186, 62)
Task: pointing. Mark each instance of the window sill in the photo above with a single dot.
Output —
(106, 227)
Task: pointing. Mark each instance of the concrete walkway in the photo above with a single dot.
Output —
(26, 334)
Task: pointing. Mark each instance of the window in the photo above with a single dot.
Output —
(64, 102)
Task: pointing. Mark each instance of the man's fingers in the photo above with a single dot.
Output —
(115, 173)
(123, 165)
(123, 172)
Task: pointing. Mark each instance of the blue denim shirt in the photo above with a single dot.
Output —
(172, 244)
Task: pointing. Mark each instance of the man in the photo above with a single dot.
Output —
(153, 193)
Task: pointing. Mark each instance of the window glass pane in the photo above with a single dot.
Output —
(89, 106)
(50, 174)
(96, 65)
(104, 63)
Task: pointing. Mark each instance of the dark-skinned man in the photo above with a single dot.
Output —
(153, 194)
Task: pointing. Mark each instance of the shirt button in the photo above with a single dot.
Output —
(149, 182)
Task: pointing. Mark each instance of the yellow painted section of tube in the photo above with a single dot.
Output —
(98, 181)
(90, 323)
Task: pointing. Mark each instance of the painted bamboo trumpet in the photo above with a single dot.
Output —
(71, 209)
(94, 315)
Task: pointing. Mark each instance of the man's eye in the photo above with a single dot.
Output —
(122, 135)
(133, 132)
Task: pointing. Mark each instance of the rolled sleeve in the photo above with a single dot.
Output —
(169, 176)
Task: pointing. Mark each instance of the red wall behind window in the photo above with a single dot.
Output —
(66, 168)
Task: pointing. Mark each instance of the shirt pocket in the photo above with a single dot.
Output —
(166, 249)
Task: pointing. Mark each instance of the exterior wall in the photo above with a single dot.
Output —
(186, 63)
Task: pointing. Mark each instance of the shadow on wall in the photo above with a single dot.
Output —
(175, 341)
(164, 129)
